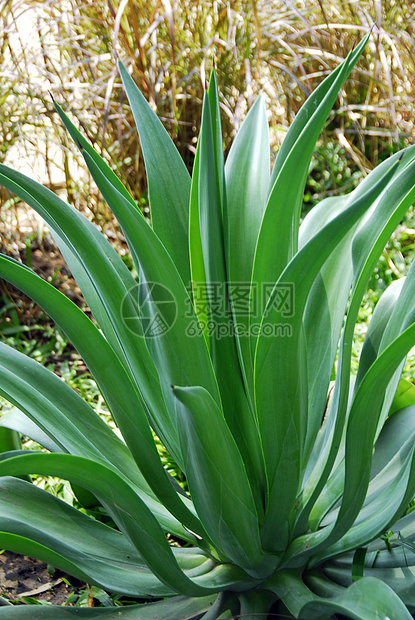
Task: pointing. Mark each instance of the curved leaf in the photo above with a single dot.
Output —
(218, 481)
(172, 344)
(72, 424)
(372, 236)
(167, 177)
(364, 600)
(392, 449)
(35, 522)
(284, 355)
(120, 394)
(361, 431)
(177, 608)
(277, 240)
(105, 282)
(378, 323)
(404, 396)
(129, 512)
(20, 422)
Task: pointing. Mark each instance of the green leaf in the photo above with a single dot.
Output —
(360, 436)
(53, 531)
(402, 315)
(358, 563)
(277, 241)
(256, 603)
(394, 440)
(323, 320)
(218, 482)
(322, 586)
(178, 608)
(390, 490)
(210, 201)
(35, 522)
(391, 451)
(322, 337)
(71, 423)
(82, 143)
(404, 396)
(97, 261)
(223, 348)
(247, 173)
(378, 323)
(392, 319)
(16, 420)
(400, 579)
(378, 224)
(390, 562)
(165, 296)
(364, 600)
(105, 281)
(120, 394)
(129, 512)
(367, 247)
(214, 109)
(197, 266)
(9, 439)
(167, 177)
(290, 588)
(283, 355)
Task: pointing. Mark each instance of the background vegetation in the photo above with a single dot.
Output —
(284, 48)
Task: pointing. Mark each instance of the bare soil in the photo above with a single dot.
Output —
(21, 576)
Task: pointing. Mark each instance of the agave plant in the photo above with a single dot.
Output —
(233, 346)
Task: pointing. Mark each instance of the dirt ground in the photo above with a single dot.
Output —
(21, 576)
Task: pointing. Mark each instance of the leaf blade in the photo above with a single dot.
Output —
(218, 481)
(167, 177)
(129, 512)
(122, 397)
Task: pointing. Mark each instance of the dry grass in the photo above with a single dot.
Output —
(376, 106)
(282, 47)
